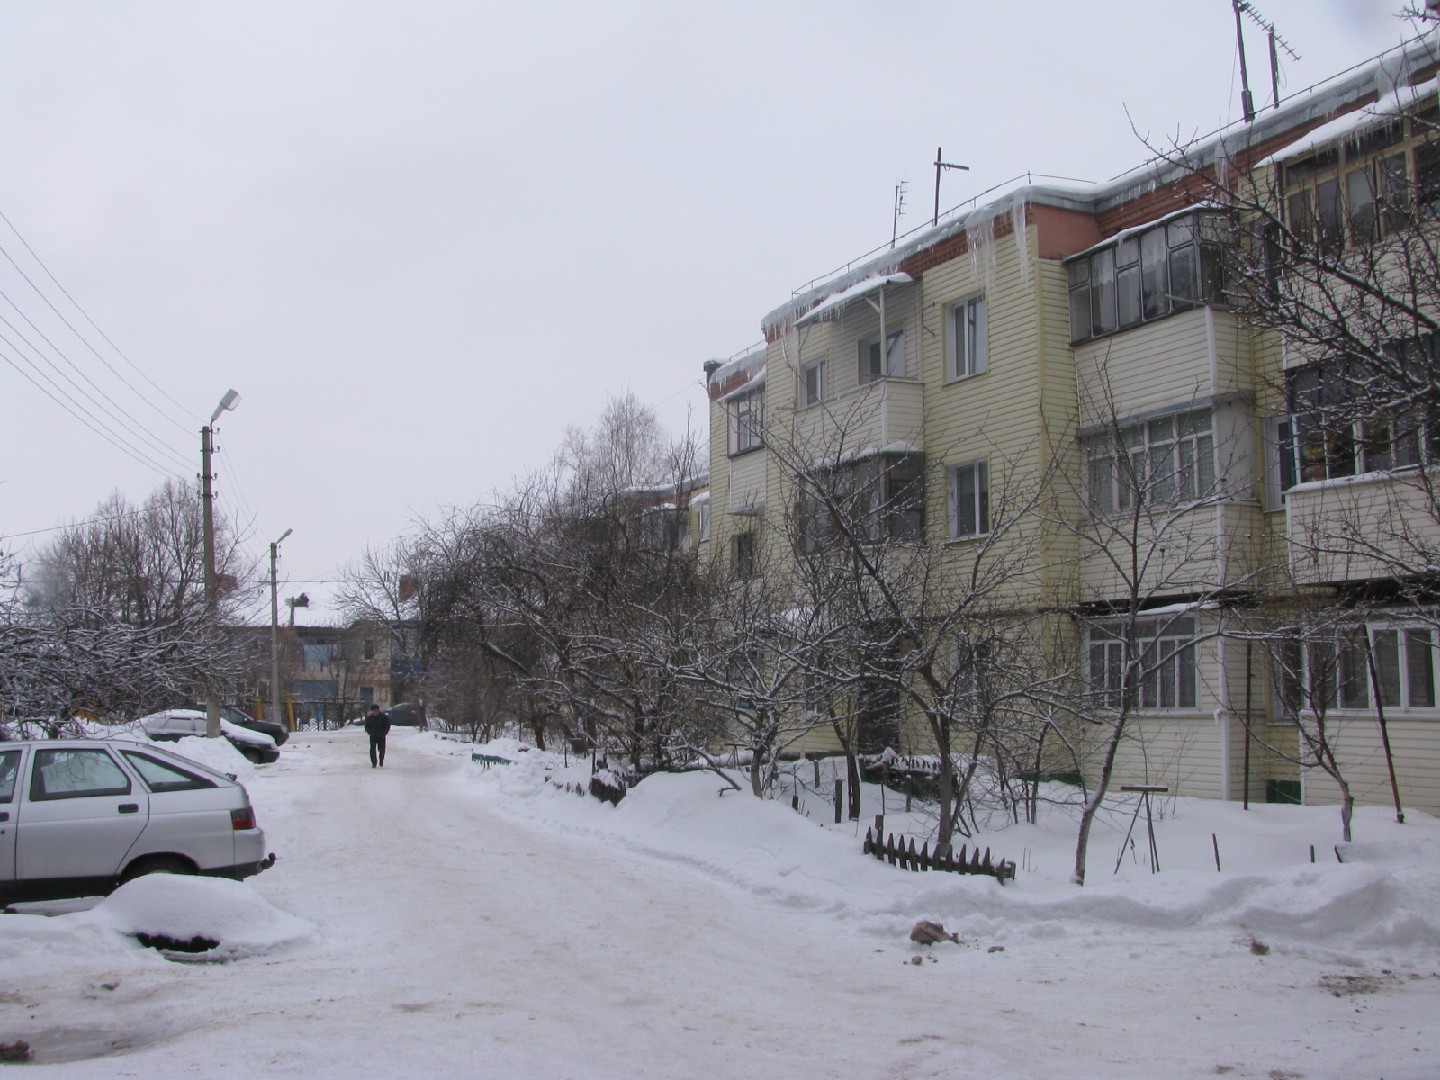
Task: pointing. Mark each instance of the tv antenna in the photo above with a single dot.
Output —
(900, 187)
(1243, 10)
(940, 166)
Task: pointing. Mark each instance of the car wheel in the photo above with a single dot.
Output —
(158, 864)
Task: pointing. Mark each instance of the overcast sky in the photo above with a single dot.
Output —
(423, 238)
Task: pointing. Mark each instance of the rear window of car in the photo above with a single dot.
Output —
(76, 774)
(9, 767)
(163, 776)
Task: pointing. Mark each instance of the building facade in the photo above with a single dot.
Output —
(1069, 389)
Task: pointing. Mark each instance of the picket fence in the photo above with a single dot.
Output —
(896, 853)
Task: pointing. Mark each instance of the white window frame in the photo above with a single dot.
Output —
(1167, 665)
(894, 360)
(702, 512)
(812, 383)
(979, 498)
(965, 343)
(1394, 644)
(1142, 458)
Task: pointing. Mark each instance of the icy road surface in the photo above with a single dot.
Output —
(455, 940)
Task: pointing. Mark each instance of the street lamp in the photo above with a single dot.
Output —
(275, 630)
(207, 499)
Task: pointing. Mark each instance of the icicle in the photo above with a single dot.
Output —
(1022, 237)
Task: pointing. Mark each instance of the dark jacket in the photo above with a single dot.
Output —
(376, 723)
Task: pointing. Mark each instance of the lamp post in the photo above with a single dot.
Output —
(207, 498)
(275, 630)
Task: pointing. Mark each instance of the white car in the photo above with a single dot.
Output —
(80, 816)
(170, 725)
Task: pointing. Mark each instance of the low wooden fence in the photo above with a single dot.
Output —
(898, 854)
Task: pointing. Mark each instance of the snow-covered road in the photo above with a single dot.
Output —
(456, 938)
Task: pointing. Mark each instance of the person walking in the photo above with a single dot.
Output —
(377, 726)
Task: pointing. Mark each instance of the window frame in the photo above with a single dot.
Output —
(1163, 268)
(1346, 687)
(1167, 664)
(980, 499)
(812, 383)
(873, 369)
(1124, 469)
(745, 418)
(742, 556)
(886, 493)
(966, 325)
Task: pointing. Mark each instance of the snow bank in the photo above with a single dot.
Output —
(1377, 901)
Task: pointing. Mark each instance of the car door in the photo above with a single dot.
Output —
(80, 813)
(9, 773)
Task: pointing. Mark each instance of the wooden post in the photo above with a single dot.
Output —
(839, 798)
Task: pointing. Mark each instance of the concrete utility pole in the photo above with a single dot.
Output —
(275, 631)
(207, 499)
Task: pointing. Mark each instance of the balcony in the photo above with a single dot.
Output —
(883, 414)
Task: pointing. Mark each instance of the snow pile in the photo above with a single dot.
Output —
(172, 906)
(1377, 900)
(177, 907)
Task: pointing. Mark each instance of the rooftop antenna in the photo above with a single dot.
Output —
(900, 187)
(1248, 10)
(940, 166)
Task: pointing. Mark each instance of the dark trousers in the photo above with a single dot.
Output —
(377, 751)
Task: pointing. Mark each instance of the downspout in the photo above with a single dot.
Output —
(1222, 563)
(1223, 713)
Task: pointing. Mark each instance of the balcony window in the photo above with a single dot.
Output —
(873, 366)
(1155, 463)
(1169, 266)
(875, 499)
(1153, 659)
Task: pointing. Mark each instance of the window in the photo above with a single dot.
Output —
(1156, 463)
(9, 768)
(877, 498)
(812, 382)
(969, 500)
(1361, 189)
(76, 774)
(163, 776)
(1330, 434)
(966, 342)
(367, 648)
(1155, 662)
(871, 365)
(742, 555)
(1167, 267)
(702, 513)
(1338, 672)
(747, 420)
(663, 529)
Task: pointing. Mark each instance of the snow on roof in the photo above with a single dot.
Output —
(754, 382)
(700, 497)
(747, 361)
(1324, 99)
(835, 302)
(1389, 106)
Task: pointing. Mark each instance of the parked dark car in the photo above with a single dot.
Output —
(276, 731)
(171, 725)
